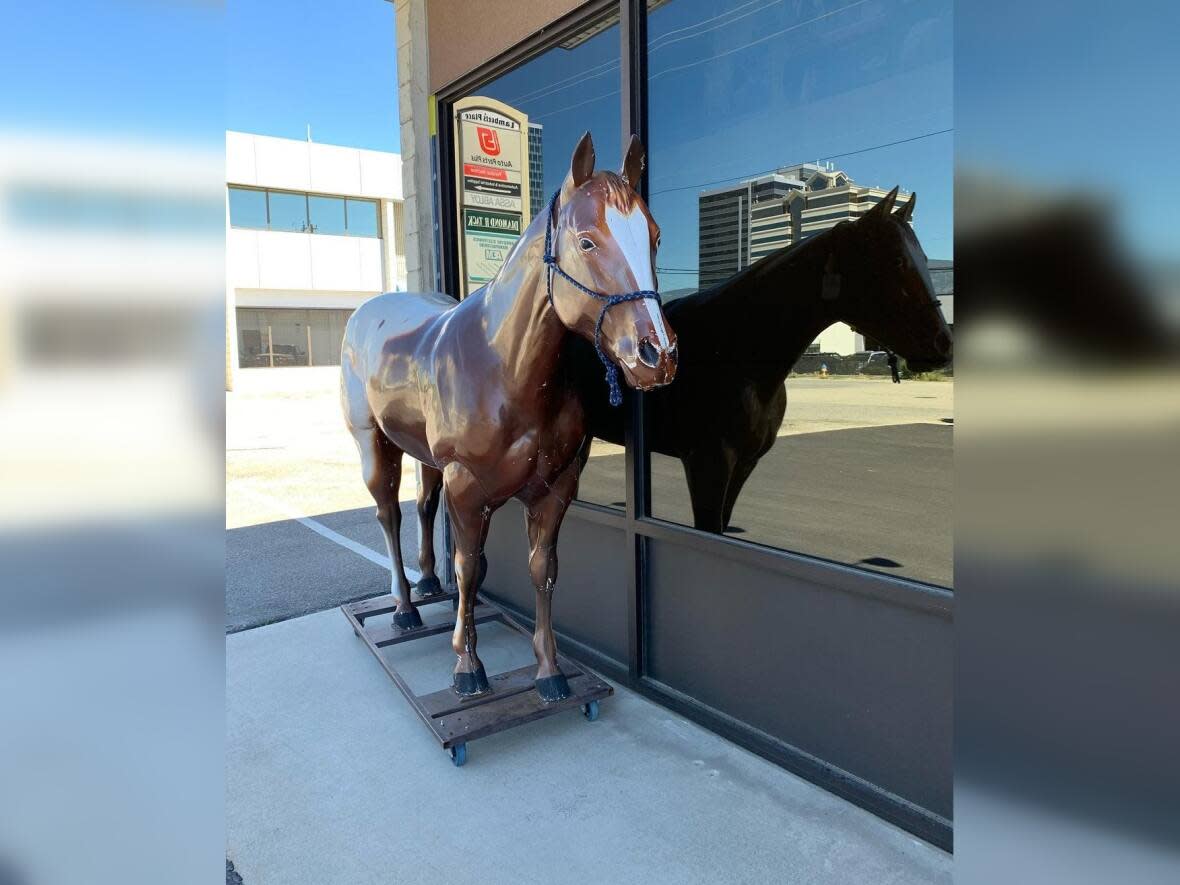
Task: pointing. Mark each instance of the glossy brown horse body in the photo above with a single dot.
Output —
(740, 338)
(476, 392)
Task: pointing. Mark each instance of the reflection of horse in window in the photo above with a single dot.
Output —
(740, 338)
(1059, 275)
(477, 393)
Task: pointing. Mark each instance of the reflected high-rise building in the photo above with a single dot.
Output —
(537, 195)
(742, 222)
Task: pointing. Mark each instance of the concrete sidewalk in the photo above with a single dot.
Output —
(331, 778)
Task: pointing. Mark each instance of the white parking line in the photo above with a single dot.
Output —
(412, 575)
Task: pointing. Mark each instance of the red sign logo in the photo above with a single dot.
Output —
(489, 141)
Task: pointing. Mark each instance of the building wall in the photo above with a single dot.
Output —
(266, 161)
(286, 269)
(839, 338)
(463, 34)
(277, 260)
(417, 123)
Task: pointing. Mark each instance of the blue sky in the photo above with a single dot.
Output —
(1070, 94)
(188, 71)
(299, 62)
(745, 87)
(114, 68)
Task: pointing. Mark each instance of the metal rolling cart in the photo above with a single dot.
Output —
(456, 720)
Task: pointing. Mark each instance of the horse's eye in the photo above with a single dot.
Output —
(586, 243)
(900, 262)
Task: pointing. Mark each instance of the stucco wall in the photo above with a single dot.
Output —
(463, 34)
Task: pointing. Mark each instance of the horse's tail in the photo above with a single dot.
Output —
(354, 401)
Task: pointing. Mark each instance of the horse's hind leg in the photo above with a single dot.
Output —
(381, 462)
(429, 490)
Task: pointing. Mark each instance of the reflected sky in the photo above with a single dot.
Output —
(741, 88)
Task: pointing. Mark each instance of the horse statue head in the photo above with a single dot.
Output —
(600, 247)
(877, 275)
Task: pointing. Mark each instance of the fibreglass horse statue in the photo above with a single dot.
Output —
(740, 338)
(478, 391)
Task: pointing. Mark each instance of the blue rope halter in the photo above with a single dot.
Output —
(609, 301)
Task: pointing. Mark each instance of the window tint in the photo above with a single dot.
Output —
(566, 91)
(247, 208)
(288, 211)
(362, 218)
(276, 337)
(327, 214)
(747, 105)
(303, 213)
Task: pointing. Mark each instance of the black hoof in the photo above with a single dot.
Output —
(468, 684)
(407, 620)
(431, 586)
(553, 688)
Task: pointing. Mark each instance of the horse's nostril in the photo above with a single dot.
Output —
(648, 355)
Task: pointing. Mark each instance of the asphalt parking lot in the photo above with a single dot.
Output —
(860, 474)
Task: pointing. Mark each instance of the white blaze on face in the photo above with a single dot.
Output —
(631, 236)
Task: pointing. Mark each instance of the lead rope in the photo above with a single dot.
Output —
(609, 301)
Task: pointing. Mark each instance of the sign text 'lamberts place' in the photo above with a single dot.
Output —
(491, 178)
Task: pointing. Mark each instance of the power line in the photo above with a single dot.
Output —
(580, 103)
(771, 36)
(605, 68)
(560, 85)
(661, 41)
(747, 175)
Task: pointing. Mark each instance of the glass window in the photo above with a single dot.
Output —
(566, 91)
(247, 208)
(278, 337)
(362, 218)
(327, 214)
(746, 103)
(288, 211)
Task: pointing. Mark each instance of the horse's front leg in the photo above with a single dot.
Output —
(544, 518)
(470, 514)
(708, 473)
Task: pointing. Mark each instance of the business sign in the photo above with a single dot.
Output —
(492, 183)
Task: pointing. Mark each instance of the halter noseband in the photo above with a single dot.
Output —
(609, 301)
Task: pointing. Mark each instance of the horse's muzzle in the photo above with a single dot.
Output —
(657, 365)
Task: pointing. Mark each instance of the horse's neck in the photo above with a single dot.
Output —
(522, 327)
(780, 311)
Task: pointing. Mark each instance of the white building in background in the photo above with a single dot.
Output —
(312, 230)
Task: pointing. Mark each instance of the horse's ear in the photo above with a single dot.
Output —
(634, 162)
(581, 167)
(884, 207)
(906, 212)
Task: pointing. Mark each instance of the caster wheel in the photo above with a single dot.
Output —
(459, 754)
(590, 710)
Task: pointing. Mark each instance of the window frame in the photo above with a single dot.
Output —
(639, 526)
(307, 195)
